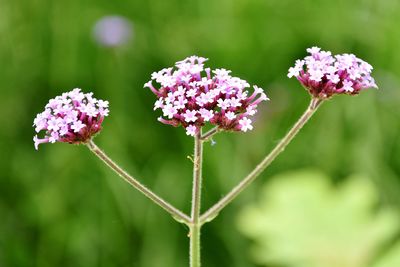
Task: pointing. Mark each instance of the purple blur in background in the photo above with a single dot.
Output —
(113, 31)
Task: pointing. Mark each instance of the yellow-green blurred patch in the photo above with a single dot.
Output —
(302, 219)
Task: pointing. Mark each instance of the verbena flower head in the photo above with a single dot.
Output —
(324, 75)
(73, 117)
(191, 95)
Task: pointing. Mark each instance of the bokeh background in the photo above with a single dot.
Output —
(60, 206)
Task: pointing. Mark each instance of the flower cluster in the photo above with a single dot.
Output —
(325, 75)
(73, 117)
(192, 95)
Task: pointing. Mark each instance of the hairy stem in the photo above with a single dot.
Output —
(196, 203)
(208, 135)
(176, 214)
(211, 213)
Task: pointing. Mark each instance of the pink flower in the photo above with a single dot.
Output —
(324, 75)
(77, 126)
(73, 117)
(295, 71)
(169, 111)
(191, 130)
(347, 86)
(192, 95)
(230, 115)
(190, 115)
(223, 103)
(159, 104)
(206, 114)
(245, 124)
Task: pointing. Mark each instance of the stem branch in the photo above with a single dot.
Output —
(208, 135)
(211, 213)
(176, 214)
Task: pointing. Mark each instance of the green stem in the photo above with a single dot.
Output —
(176, 214)
(211, 213)
(196, 203)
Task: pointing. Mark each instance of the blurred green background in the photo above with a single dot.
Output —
(60, 206)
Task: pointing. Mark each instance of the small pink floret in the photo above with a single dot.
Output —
(191, 130)
(245, 124)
